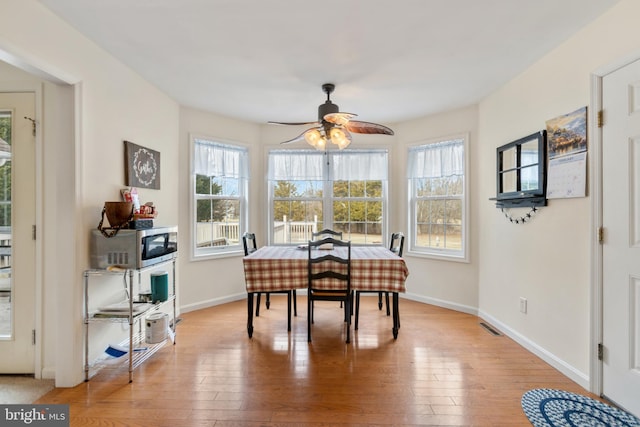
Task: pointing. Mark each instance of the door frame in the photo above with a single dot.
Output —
(59, 353)
(36, 89)
(595, 183)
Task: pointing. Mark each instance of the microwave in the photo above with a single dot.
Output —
(133, 249)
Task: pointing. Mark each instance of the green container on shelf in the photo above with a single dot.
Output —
(159, 286)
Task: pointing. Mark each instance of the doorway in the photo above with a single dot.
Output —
(17, 246)
(617, 212)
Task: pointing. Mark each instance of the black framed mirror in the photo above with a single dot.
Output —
(521, 172)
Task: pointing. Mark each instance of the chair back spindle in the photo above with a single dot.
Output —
(326, 233)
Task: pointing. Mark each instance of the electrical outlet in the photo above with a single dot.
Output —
(523, 305)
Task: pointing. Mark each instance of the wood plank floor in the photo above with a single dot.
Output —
(444, 369)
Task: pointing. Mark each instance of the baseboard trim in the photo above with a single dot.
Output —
(441, 303)
(414, 297)
(212, 302)
(571, 372)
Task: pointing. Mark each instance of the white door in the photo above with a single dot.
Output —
(621, 248)
(17, 247)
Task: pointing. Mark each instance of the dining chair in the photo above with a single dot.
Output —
(396, 246)
(250, 246)
(327, 232)
(329, 275)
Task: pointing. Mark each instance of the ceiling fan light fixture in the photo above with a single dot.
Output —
(316, 139)
(313, 137)
(340, 137)
(322, 143)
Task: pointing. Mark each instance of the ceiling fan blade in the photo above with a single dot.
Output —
(339, 118)
(299, 137)
(356, 126)
(293, 123)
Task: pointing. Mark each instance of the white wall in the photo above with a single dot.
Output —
(113, 104)
(445, 283)
(214, 281)
(547, 260)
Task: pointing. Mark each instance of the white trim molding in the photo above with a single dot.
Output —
(565, 368)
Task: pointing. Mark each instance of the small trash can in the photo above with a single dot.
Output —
(159, 286)
(157, 325)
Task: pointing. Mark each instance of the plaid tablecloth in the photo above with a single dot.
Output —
(373, 268)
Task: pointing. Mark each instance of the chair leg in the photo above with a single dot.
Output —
(357, 309)
(258, 304)
(352, 297)
(288, 311)
(396, 315)
(309, 317)
(347, 313)
(250, 314)
(380, 301)
(268, 301)
(295, 304)
(387, 301)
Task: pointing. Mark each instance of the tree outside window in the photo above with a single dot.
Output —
(357, 210)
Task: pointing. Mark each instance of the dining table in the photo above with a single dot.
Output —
(282, 268)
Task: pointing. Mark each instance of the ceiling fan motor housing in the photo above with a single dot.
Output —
(327, 108)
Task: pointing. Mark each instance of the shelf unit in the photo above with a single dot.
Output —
(132, 317)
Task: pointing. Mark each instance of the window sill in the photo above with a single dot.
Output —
(217, 255)
(438, 256)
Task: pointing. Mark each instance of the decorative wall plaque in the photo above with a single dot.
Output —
(142, 166)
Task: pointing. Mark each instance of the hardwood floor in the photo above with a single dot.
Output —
(444, 369)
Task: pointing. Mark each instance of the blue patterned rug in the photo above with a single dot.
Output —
(557, 408)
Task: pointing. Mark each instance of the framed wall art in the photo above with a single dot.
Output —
(142, 166)
(567, 134)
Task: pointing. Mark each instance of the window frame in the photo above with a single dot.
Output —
(328, 197)
(461, 255)
(213, 252)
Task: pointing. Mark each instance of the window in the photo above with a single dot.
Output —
(438, 199)
(220, 174)
(343, 190)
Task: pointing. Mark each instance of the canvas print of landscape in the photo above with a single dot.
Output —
(567, 134)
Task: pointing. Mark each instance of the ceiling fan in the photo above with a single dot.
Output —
(333, 126)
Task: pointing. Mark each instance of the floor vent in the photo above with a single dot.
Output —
(490, 329)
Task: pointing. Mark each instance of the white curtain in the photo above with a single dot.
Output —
(296, 165)
(220, 160)
(309, 165)
(436, 160)
(370, 165)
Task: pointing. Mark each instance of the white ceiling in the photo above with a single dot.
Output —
(261, 60)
